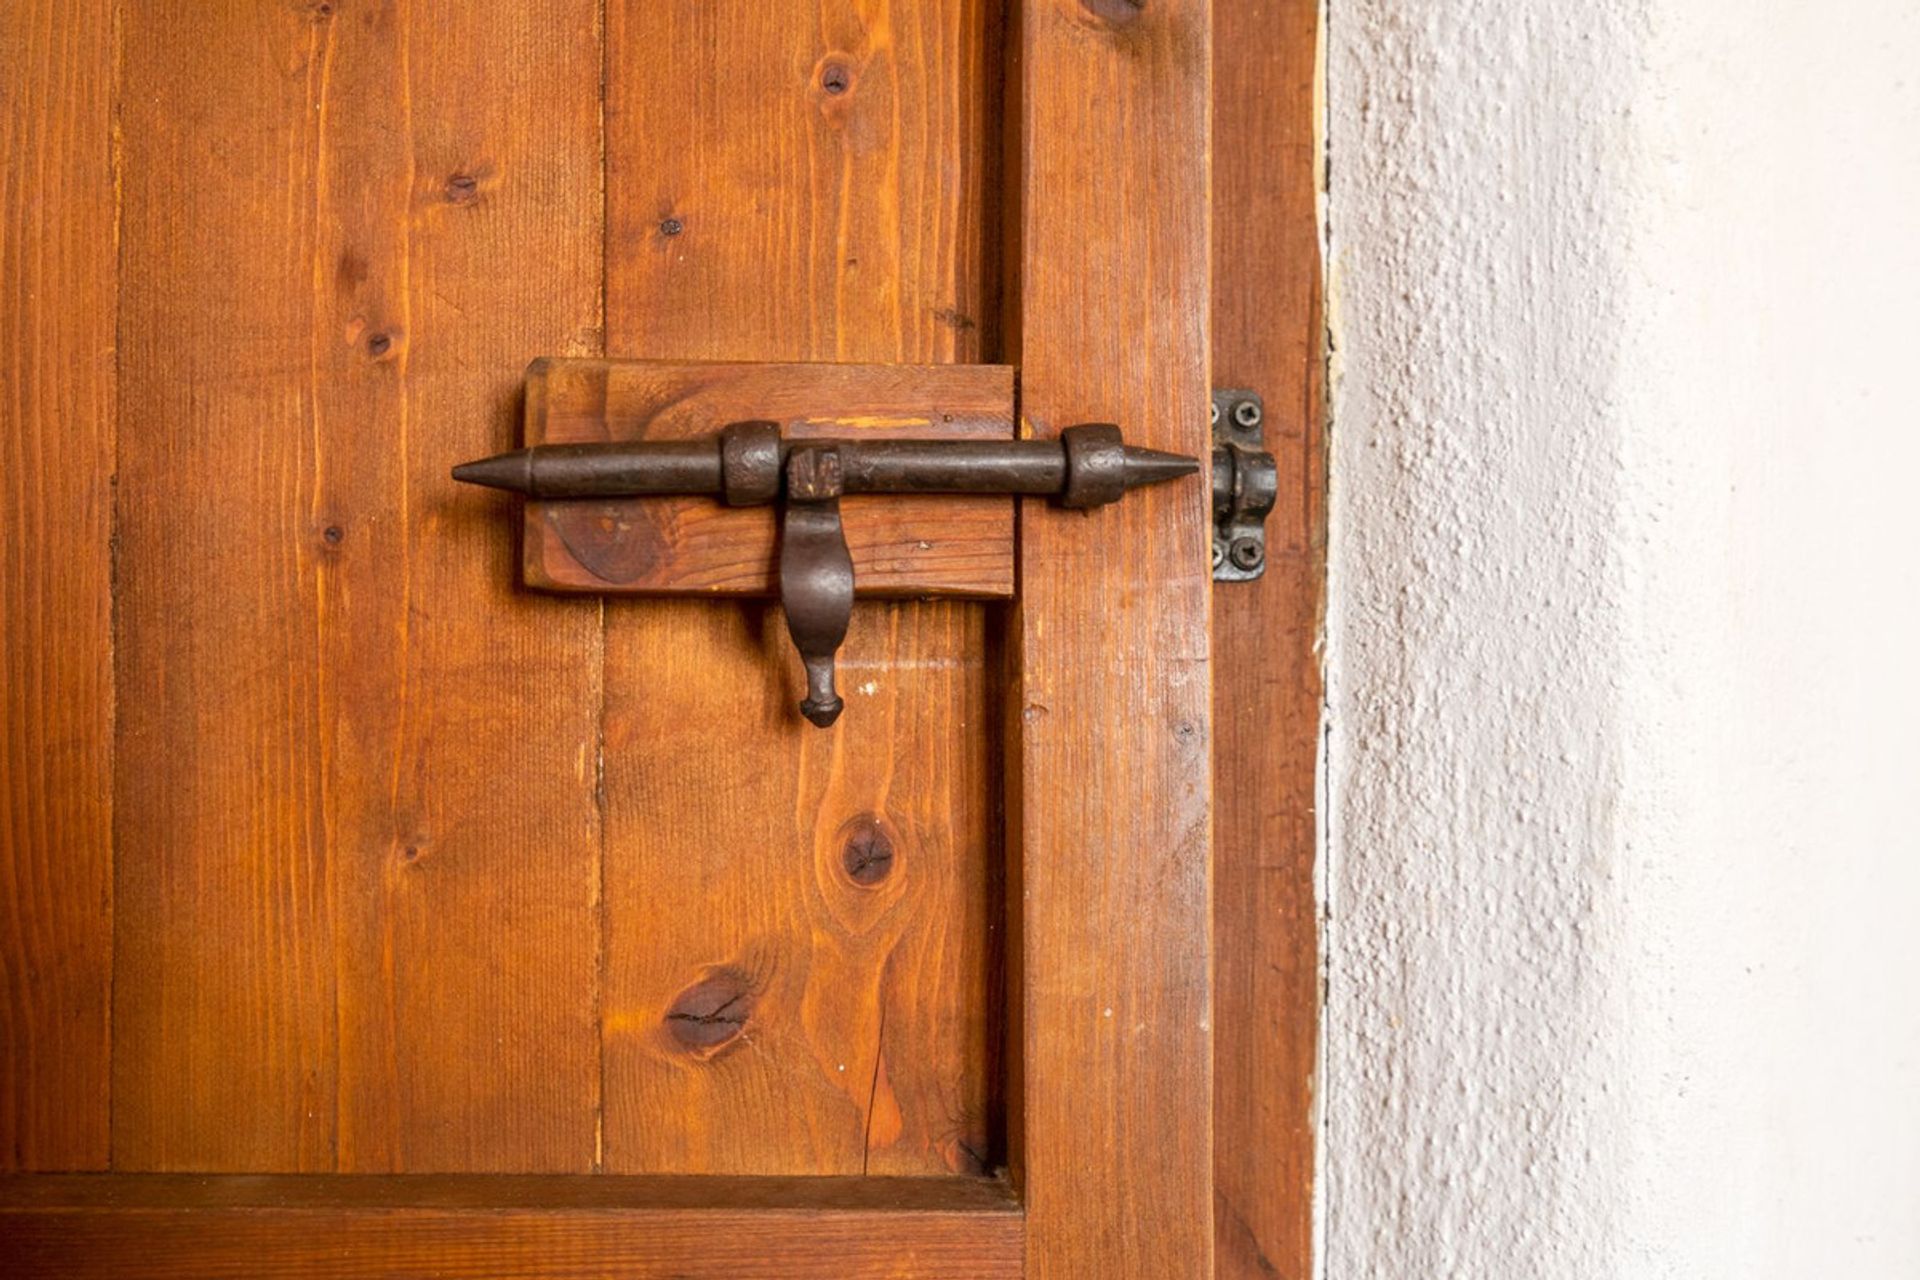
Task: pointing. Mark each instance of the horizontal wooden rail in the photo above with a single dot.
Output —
(465, 1225)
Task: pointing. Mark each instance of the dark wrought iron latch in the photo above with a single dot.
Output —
(749, 463)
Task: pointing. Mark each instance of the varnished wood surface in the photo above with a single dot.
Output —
(799, 183)
(56, 527)
(1111, 710)
(1267, 335)
(901, 545)
(357, 842)
(360, 900)
(475, 1225)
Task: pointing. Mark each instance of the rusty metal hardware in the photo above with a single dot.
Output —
(816, 573)
(748, 463)
(1245, 486)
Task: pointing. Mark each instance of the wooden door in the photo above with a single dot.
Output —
(371, 912)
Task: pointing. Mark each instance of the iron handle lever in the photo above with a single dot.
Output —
(749, 463)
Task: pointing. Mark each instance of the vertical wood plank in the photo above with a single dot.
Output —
(1111, 709)
(56, 523)
(798, 184)
(225, 1052)
(358, 857)
(1267, 336)
(464, 712)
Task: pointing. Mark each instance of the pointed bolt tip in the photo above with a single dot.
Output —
(501, 471)
(1156, 466)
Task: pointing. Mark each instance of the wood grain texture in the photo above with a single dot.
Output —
(901, 545)
(358, 849)
(57, 296)
(1110, 645)
(476, 1225)
(798, 184)
(1267, 335)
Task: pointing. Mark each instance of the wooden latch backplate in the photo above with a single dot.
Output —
(902, 545)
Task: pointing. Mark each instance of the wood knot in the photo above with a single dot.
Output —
(712, 1012)
(834, 90)
(462, 188)
(836, 77)
(867, 853)
(379, 345)
(671, 226)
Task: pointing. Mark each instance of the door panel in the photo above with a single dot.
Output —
(343, 943)
(799, 183)
(357, 847)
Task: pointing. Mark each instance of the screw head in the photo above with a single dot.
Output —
(1247, 414)
(1246, 554)
(1219, 553)
(1213, 413)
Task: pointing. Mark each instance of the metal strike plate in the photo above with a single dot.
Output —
(1245, 485)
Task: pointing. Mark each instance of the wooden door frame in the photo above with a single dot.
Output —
(1121, 89)
(1269, 335)
(1110, 805)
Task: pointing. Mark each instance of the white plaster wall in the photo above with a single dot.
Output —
(1623, 758)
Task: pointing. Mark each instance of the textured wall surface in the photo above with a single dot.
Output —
(1624, 727)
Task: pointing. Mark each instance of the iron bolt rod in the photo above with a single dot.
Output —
(652, 468)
